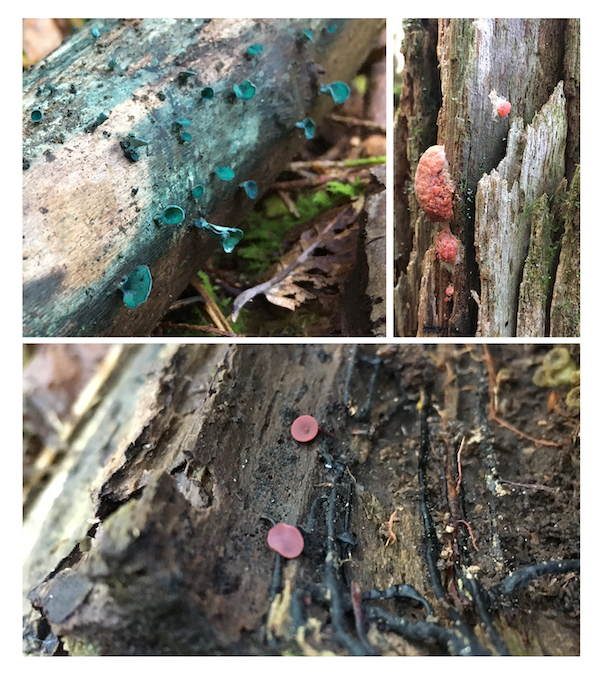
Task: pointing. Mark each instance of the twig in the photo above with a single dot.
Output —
(392, 538)
(528, 486)
(200, 329)
(357, 122)
(212, 308)
(471, 533)
(493, 415)
(289, 203)
(457, 487)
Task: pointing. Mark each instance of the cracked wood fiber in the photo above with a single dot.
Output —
(89, 211)
(534, 63)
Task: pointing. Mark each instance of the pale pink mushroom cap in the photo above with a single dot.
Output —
(286, 540)
(304, 428)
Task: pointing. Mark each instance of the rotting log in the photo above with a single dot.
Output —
(91, 214)
(525, 61)
(156, 543)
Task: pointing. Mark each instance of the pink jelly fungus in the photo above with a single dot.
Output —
(449, 291)
(433, 185)
(304, 428)
(448, 247)
(286, 540)
(503, 108)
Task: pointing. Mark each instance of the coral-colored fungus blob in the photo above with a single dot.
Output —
(448, 247)
(433, 185)
(503, 108)
(304, 428)
(286, 540)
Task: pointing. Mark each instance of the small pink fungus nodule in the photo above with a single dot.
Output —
(449, 291)
(501, 106)
(448, 247)
(286, 540)
(304, 428)
(433, 185)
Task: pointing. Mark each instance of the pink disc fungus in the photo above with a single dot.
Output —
(286, 540)
(433, 185)
(304, 428)
(501, 106)
(448, 247)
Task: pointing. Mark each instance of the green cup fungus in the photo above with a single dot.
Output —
(307, 34)
(308, 126)
(37, 115)
(197, 191)
(338, 90)
(185, 137)
(184, 75)
(224, 173)
(135, 142)
(245, 91)
(136, 286)
(331, 29)
(229, 237)
(172, 215)
(95, 32)
(255, 50)
(207, 93)
(251, 188)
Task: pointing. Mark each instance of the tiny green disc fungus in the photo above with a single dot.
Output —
(245, 91)
(135, 142)
(197, 191)
(37, 115)
(309, 34)
(136, 286)
(229, 237)
(207, 93)
(308, 126)
(95, 32)
(338, 90)
(331, 29)
(255, 50)
(184, 75)
(182, 122)
(185, 137)
(224, 173)
(173, 215)
(251, 189)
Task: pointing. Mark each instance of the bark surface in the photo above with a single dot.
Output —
(91, 214)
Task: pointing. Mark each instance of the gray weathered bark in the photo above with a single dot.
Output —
(90, 212)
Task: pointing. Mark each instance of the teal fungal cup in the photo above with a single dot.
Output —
(37, 115)
(135, 142)
(308, 126)
(185, 137)
(197, 191)
(338, 90)
(173, 215)
(207, 93)
(229, 237)
(224, 173)
(255, 50)
(308, 34)
(245, 91)
(136, 286)
(251, 188)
